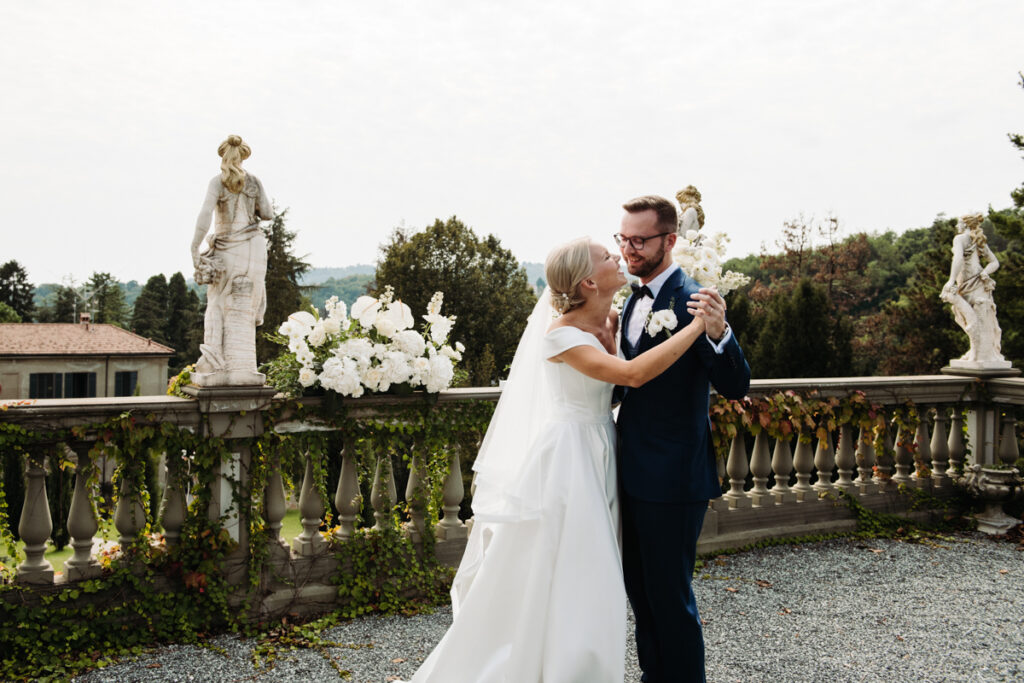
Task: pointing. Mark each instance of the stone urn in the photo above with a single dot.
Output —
(994, 486)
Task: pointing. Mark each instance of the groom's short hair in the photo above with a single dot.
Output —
(663, 208)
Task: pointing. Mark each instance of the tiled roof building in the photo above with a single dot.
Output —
(65, 360)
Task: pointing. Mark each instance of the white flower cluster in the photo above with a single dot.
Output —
(665, 319)
(374, 349)
(700, 257)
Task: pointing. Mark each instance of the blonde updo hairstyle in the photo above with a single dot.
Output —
(566, 267)
(973, 222)
(232, 153)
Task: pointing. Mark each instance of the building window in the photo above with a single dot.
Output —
(45, 385)
(79, 384)
(125, 382)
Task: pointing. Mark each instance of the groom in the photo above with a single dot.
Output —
(667, 469)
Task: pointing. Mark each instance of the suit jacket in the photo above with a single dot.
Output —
(665, 449)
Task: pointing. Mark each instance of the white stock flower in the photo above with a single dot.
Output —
(307, 377)
(664, 319)
(449, 352)
(460, 347)
(434, 307)
(440, 328)
(365, 310)
(304, 356)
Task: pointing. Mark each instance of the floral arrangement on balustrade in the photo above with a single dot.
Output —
(700, 255)
(787, 412)
(375, 349)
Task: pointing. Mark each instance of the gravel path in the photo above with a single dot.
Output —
(843, 610)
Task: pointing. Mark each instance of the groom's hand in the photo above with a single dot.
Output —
(709, 305)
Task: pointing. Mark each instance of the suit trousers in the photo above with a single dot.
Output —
(659, 548)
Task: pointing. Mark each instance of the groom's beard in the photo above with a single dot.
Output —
(649, 264)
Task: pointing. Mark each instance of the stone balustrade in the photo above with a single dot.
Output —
(773, 487)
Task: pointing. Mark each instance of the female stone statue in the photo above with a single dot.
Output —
(233, 266)
(969, 291)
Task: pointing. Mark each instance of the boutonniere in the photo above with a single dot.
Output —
(662, 321)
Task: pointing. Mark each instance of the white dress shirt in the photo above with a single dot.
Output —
(642, 310)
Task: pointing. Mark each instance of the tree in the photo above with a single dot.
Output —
(149, 319)
(183, 317)
(483, 285)
(1017, 140)
(284, 293)
(803, 336)
(8, 314)
(62, 308)
(16, 291)
(107, 300)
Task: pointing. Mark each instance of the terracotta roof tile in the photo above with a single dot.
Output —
(66, 339)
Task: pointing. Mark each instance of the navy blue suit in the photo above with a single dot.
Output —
(667, 474)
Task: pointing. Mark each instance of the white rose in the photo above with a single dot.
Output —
(307, 377)
(385, 325)
(664, 319)
(318, 335)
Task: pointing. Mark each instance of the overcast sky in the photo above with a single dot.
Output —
(532, 120)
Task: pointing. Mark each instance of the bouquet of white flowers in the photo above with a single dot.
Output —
(701, 259)
(375, 349)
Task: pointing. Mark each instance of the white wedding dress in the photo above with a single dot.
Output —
(539, 594)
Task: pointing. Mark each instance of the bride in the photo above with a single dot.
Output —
(539, 593)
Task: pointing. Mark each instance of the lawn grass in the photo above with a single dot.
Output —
(291, 526)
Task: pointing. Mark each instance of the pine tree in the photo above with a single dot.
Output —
(182, 319)
(107, 300)
(16, 291)
(284, 293)
(150, 316)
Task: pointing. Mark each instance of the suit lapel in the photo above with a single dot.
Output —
(627, 311)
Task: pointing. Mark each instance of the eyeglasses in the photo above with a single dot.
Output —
(636, 242)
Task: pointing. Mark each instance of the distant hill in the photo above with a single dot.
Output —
(317, 275)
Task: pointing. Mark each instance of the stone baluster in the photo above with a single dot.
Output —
(846, 459)
(736, 467)
(172, 506)
(451, 527)
(82, 524)
(884, 461)
(865, 457)
(416, 497)
(824, 461)
(383, 494)
(940, 450)
(1008, 452)
(347, 498)
(760, 468)
(803, 463)
(924, 451)
(957, 450)
(35, 525)
(129, 514)
(904, 460)
(275, 505)
(311, 508)
(782, 466)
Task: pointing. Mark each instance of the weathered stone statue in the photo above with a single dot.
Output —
(969, 291)
(233, 266)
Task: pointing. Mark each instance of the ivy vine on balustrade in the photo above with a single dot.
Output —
(159, 592)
